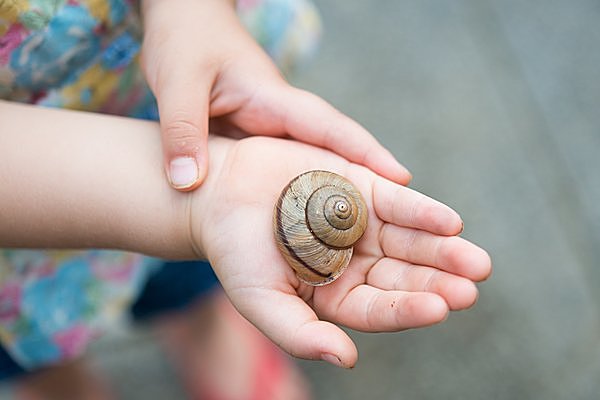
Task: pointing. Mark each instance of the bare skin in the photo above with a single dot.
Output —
(408, 271)
(74, 380)
(200, 62)
(57, 184)
(217, 352)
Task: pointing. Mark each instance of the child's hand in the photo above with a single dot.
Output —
(407, 271)
(200, 62)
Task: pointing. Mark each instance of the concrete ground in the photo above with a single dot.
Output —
(493, 105)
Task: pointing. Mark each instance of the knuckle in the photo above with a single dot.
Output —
(442, 251)
(383, 237)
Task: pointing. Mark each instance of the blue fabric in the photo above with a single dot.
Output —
(8, 367)
(173, 287)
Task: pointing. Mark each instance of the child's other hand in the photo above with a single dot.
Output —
(408, 270)
(200, 62)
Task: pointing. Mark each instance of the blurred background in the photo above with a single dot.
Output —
(494, 107)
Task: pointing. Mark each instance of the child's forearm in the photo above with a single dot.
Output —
(75, 180)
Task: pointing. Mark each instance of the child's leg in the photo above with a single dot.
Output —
(217, 353)
(69, 381)
(220, 355)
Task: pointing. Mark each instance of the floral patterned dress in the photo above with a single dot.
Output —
(83, 55)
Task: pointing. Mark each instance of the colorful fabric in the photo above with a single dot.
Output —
(53, 303)
(83, 55)
(289, 30)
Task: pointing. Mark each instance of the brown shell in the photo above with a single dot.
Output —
(318, 218)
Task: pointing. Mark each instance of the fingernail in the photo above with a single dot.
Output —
(183, 172)
(331, 359)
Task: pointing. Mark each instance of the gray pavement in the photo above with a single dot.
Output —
(493, 105)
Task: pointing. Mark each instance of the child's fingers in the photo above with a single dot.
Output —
(393, 274)
(182, 94)
(370, 309)
(181, 78)
(451, 254)
(292, 324)
(181, 83)
(311, 119)
(402, 206)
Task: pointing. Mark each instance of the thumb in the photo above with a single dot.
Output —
(182, 90)
(183, 109)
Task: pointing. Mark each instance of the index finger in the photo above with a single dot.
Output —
(309, 118)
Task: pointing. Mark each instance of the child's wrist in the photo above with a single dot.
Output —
(199, 220)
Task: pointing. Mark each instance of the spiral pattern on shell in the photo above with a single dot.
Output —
(318, 218)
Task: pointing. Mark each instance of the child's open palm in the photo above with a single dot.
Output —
(408, 270)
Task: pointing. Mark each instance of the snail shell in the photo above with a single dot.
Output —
(318, 218)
